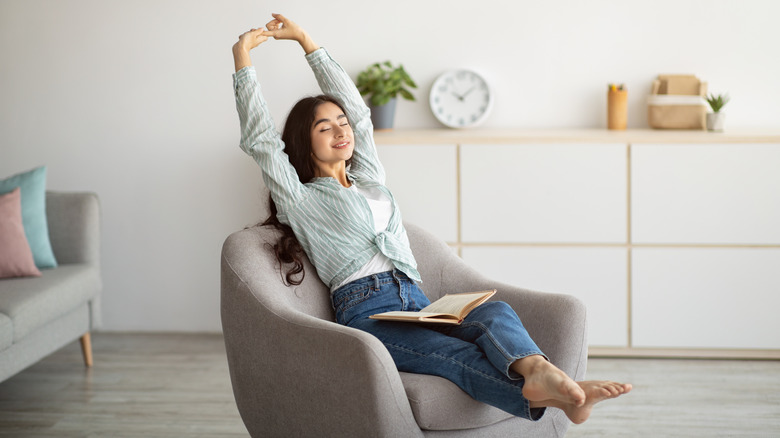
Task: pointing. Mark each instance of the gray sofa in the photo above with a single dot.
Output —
(39, 315)
(295, 372)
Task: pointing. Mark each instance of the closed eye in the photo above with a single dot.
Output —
(326, 128)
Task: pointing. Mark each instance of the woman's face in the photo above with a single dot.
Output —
(331, 137)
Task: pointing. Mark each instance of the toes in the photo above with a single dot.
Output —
(615, 389)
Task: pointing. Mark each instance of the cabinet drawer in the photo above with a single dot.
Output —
(708, 194)
(706, 297)
(559, 193)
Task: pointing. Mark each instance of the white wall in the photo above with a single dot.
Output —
(133, 100)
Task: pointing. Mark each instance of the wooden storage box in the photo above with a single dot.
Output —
(677, 102)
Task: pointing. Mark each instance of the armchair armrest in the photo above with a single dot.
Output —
(556, 322)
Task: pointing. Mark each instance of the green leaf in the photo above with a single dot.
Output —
(406, 94)
(717, 102)
(379, 100)
(382, 81)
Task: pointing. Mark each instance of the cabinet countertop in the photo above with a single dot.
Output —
(499, 136)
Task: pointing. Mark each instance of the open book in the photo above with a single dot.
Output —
(449, 309)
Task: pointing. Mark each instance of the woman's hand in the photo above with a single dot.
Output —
(246, 42)
(282, 28)
(251, 39)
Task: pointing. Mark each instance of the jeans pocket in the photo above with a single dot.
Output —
(350, 300)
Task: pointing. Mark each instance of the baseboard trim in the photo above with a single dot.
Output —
(686, 353)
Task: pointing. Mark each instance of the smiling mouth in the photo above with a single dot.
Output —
(341, 145)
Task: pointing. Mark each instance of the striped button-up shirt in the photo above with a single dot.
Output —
(333, 224)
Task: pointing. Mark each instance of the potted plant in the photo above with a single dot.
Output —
(383, 82)
(715, 119)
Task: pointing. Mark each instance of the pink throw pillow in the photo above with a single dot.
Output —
(16, 259)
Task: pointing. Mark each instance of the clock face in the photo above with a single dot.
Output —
(461, 98)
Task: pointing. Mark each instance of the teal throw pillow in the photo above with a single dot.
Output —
(33, 190)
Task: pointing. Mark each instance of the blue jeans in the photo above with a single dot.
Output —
(474, 355)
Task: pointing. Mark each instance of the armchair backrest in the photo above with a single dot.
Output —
(249, 253)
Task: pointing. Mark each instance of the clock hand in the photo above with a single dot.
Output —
(467, 93)
(458, 96)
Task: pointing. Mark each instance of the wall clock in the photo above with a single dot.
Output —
(461, 98)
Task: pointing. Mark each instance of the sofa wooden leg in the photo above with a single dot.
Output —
(86, 349)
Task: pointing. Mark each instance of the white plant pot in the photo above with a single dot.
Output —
(715, 121)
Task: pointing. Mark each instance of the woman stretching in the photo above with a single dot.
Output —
(329, 199)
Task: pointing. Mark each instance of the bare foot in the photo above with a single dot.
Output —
(547, 386)
(595, 391)
(544, 381)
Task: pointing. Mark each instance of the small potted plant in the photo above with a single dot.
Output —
(716, 119)
(382, 83)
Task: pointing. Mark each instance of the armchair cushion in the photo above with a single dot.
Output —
(438, 404)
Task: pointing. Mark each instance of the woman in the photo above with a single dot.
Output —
(328, 194)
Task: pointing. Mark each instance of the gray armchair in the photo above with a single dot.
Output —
(295, 372)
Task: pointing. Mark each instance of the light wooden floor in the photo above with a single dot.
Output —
(177, 385)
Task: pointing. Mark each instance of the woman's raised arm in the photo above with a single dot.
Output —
(259, 137)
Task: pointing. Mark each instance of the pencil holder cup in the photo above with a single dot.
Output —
(617, 109)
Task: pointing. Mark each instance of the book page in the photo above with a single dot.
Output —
(458, 304)
(426, 317)
(401, 314)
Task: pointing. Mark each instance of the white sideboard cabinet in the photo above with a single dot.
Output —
(671, 238)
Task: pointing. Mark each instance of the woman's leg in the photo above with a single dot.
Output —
(492, 361)
(418, 348)
(497, 330)
(422, 349)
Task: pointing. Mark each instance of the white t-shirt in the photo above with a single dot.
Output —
(381, 210)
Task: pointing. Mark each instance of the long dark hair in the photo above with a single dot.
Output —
(296, 136)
